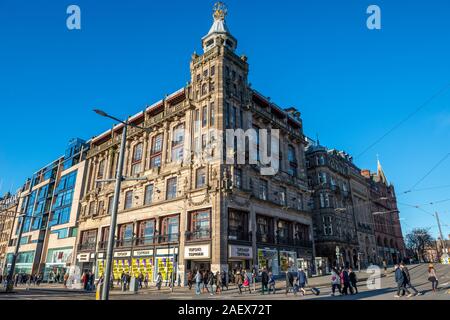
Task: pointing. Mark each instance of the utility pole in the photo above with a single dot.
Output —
(444, 249)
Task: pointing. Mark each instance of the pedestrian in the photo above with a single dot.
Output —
(246, 283)
(239, 280)
(254, 277)
(198, 282)
(302, 281)
(189, 280)
(432, 277)
(205, 281)
(218, 280)
(264, 281)
(335, 282)
(224, 280)
(385, 266)
(400, 280)
(140, 280)
(211, 282)
(346, 280)
(408, 279)
(146, 281)
(271, 283)
(124, 282)
(159, 281)
(290, 282)
(353, 280)
(91, 281)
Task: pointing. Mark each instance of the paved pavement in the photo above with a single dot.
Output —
(386, 292)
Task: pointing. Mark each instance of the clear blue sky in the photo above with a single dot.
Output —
(351, 84)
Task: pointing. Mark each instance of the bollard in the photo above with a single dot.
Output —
(98, 293)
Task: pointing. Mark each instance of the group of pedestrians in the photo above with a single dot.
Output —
(207, 281)
(88, 281)
(344, 280)
(23, 279)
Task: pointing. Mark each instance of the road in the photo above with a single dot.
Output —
(386, 292)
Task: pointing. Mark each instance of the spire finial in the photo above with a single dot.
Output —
(220, 11)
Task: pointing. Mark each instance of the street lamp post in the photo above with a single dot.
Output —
(112, 228)
(118, 183)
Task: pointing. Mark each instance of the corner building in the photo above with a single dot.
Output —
(193, 211)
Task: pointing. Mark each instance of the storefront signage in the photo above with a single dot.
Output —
(122, 254)
(239, 252)
(196, 252)
(83, 257)
(143, 253)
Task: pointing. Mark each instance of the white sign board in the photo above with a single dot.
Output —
(196, 252)
(240, 252)
(122, 254)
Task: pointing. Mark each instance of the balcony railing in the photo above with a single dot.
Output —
(124, 243)
(86, 246)
(145, 241)
(239, 235)
(103, 245)
(169, 238)
(203, 234)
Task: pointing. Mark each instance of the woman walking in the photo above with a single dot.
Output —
(218, 283)
(159, 281)
(335, 281)
(432, 277)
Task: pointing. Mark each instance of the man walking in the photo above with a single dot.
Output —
(408, 279)
(198, 282)
(264, 281)
(346, 280)
(302, 281)
(353, 280)
(400, 280)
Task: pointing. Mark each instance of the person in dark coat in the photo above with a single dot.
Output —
(353, 280)
(264, 281)
(346, 282)
(400, 280)
(408, 279)
(189, 280)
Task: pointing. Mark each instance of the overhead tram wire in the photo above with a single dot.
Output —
(424, 189)
(433, 97)
(429, 173)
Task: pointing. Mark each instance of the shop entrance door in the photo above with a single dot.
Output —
(201, 266)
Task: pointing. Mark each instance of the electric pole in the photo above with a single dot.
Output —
(444, 249)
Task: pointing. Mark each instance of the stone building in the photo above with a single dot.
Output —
(192, 210)
(8, 210)
(388, 231)
(335, 226)
(50, 202)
